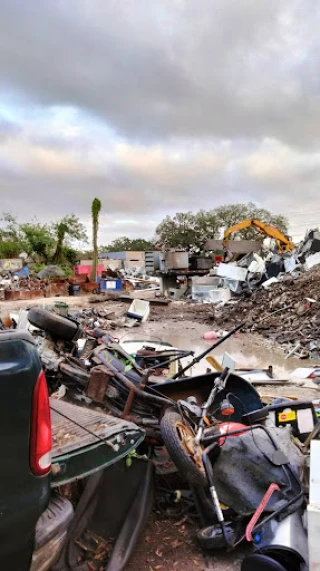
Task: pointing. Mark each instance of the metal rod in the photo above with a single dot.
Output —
(214, 346)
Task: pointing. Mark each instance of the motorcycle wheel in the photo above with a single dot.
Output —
(178, 438)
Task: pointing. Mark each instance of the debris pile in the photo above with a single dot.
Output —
(271, 266)
(288, 313)
(90, 367)
(53, 282)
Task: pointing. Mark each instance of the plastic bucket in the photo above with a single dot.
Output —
(61, 308)
(74, 290)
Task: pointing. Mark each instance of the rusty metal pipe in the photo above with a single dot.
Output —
(141, 420)
(131, 386)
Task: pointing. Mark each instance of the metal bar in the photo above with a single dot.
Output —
(214, 346)
(128, 404)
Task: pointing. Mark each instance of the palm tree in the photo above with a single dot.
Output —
(95, 210)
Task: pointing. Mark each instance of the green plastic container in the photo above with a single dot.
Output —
(61, 308)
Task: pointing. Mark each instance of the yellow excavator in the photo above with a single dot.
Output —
(282, 242)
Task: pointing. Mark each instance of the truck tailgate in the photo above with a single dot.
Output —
(86, 440)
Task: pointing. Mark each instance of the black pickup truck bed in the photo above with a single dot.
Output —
(86, 440)
(34, 518)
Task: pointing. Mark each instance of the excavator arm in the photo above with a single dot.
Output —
(237, 227)
(282, 242)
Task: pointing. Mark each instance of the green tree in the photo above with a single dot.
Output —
(190, 230)
(95, 211)
(10, 228)
(38, 239)
(125, 244)
(179, 231)
(85, 254)
(67, 231)
(231, 214)
(9, 249)
(10, 236)
(70, 255)
(206, 226)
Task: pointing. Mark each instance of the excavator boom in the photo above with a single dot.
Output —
(283, 243)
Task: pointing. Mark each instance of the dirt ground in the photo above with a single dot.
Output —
(167, 544)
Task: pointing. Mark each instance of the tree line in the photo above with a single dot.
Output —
(191, 229)
(56, 242)
(48, 243)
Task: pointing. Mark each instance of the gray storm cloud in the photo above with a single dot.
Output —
(179, 68)
(208, 102)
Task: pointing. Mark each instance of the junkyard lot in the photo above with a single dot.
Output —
(163, 544)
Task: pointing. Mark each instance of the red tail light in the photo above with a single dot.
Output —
(40, 434)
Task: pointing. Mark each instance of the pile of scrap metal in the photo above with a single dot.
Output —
(244, 459)
(90, 365)
(277, 260)
(247, 462)
(288, 314)
(272, 264)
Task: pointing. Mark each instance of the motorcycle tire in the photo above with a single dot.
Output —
(212, 537)
(58, 326)
(180, 457)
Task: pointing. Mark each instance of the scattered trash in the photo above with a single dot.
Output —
(269, 282)
(139, 310)
(232, 271)
(129, 379)
(211, 335)
(219, 296)
(312, 261)
(306, 373)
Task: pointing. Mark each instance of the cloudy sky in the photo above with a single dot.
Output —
(159, 106)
